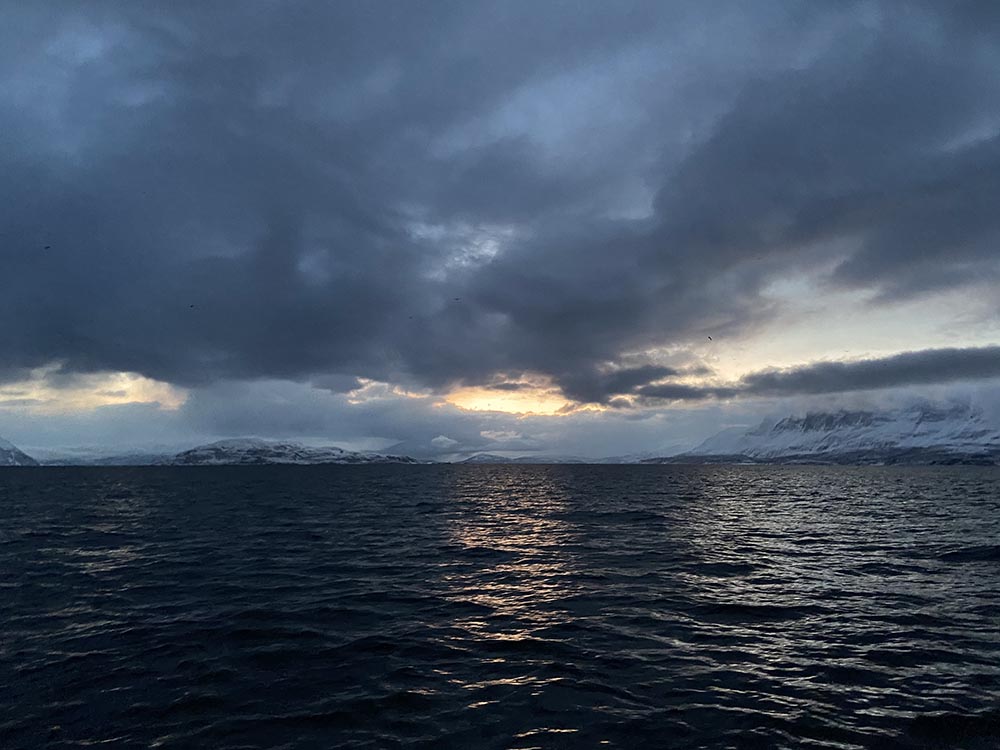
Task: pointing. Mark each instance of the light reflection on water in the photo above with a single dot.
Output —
(519, 532)
(518, 535)
(501, 606)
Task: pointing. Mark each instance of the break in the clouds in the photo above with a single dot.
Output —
(523, 203)
(929, 367)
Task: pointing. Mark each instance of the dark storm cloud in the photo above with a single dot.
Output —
(682, 392)
(909, 368)
(438, 193)
(598, 387)
(336, 383)
(918, 368)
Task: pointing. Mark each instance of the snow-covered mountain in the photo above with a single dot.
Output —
(486, 458)
(11, 455)
(243, 451)
(493, 458)
(100, 456)
(918, 434)
(632, 458)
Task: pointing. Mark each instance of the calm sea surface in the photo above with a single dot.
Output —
(500, 607)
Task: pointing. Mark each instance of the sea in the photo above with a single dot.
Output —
(508, 606)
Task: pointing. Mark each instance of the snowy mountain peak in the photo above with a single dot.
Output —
(251, 444)
(238, 443)
(919, 432)
(242, 451)
(11, 455)
(826, 422)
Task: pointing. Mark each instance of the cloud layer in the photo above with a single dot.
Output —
(921, 368)
(473, 194)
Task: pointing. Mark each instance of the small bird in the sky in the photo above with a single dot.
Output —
(458, 299)
(191, 306)
(709, 338)
(48, 247)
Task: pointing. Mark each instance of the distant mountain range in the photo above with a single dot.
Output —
(492, 458)
(921, 434)
(238, 452)
(917, 435)
(245, 451)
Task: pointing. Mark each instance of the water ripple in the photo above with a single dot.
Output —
(500, 607)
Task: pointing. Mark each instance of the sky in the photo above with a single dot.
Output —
(556, 228)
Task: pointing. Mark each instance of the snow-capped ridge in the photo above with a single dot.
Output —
(921, 433)
(11, 455)
(493, 458)
(247, 451)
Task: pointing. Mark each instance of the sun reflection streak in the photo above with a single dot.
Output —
(518, 546)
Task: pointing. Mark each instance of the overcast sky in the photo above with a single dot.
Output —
(556, 227)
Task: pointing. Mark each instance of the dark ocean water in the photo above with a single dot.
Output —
(500, 607)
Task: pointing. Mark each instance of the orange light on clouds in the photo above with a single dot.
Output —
(524, 401)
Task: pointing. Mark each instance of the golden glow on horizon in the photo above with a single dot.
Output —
(852, 329)
(536, 396)
(44, 394)
(525, 401)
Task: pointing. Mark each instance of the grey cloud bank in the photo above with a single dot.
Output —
(230, 196)
(920, 368)
(906, 369)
